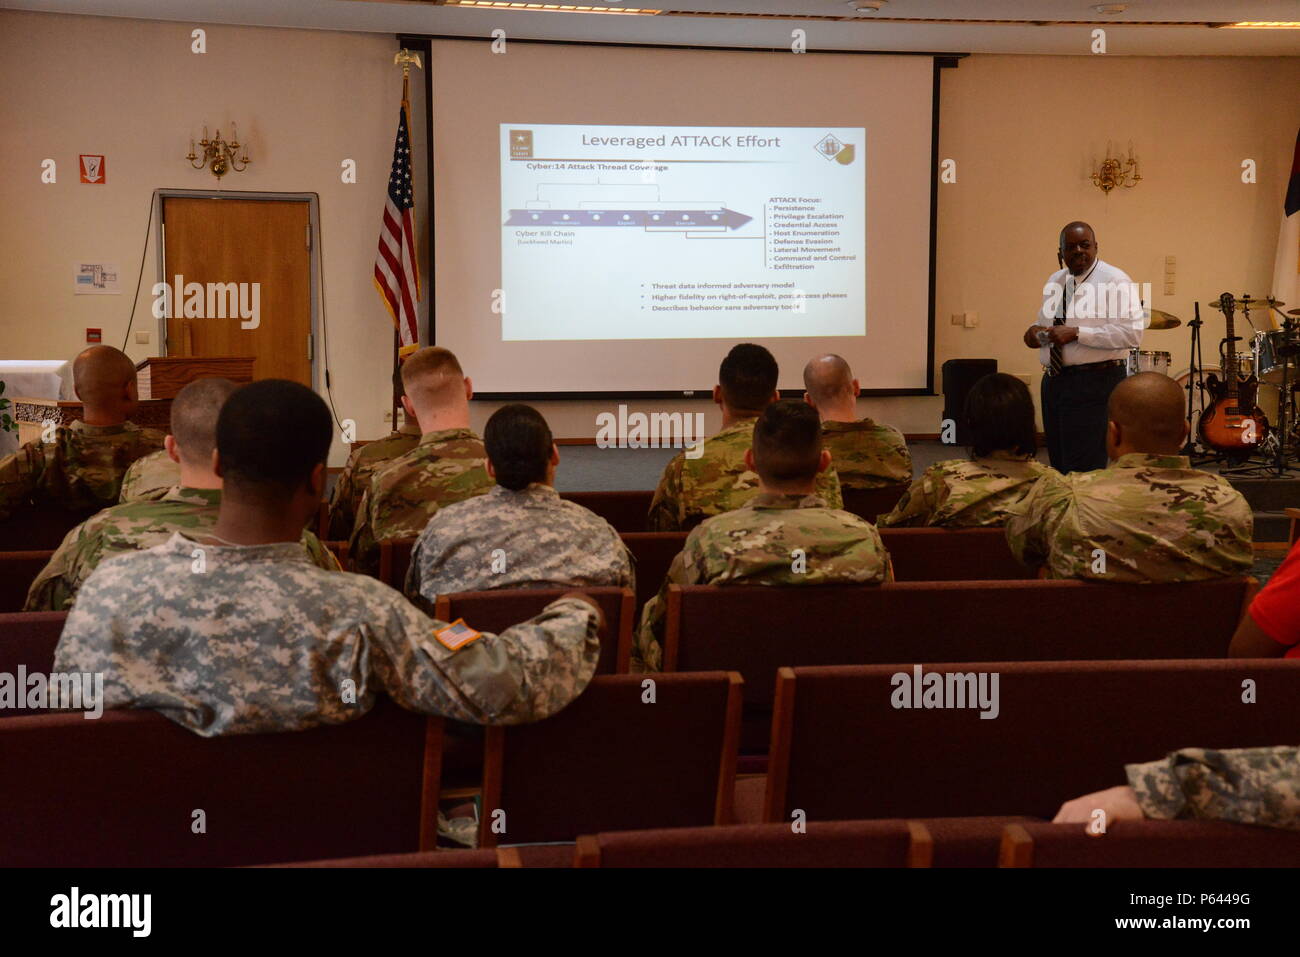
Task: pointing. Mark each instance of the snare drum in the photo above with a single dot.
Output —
(1139, 361)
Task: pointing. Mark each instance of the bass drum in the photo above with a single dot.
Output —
(1268, 395)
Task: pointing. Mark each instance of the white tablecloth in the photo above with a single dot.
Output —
(37, 378)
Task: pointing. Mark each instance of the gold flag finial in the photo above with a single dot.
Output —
(406, 58)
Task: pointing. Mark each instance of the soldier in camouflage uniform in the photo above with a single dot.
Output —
(785, 535)
(150, 478)
(362, 465)
(1150, 516)
(448, 465)
(1001, 470)
(1245, 785)
(521, 534)
(82, 466)
(236, 632)
(865, 454)
(135, 526)
(716, 481)
(190, 506)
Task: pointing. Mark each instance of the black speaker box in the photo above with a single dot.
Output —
(958, 377)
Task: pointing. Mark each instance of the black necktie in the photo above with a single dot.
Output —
(1056, 359)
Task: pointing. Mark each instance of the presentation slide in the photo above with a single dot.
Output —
(616, 233)
(641, 232)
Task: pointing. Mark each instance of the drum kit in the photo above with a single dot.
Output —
(1245, 406)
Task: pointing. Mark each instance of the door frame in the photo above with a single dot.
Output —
(314, 263)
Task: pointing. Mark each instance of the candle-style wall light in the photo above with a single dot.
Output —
(1117, 171)
(218, 155)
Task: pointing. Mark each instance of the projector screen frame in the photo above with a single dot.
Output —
(941, 61)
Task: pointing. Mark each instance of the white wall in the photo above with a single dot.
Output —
(1022, 129)
(131, 89)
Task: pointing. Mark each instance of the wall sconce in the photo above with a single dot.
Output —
(218, 155)
(1116, 171)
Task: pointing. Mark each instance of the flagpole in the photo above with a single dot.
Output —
(404, 58)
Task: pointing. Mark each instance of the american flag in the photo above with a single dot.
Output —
(397, 277)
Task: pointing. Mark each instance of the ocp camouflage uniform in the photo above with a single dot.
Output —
(230, 639)
(756, 545)
(135, 526)
(531, 538)
(355, 477)
(691, 490)
(1146, 518)
(1246, 785)
(967, 493)
(445, 467)
(81, 468)
(867, 454)
(150, 478)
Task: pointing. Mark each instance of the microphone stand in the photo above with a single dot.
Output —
(1195, 381)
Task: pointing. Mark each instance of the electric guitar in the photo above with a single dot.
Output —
(1233, 422)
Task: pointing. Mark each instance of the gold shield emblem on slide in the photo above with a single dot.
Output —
(845, 156)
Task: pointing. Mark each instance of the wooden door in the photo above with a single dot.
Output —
(239, 241)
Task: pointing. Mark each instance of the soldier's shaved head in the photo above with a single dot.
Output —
(1147, 414)
(194, 419)
(828, 379)
(104, 378)
(431, 375)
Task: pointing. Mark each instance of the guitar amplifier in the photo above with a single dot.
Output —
(958, 377)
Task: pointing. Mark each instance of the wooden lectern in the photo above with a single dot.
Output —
(161, 377)
(158, 379)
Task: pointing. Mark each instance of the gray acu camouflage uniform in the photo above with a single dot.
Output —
(241, 639)
(1153, 518)
(1246, 785)
(544, 542)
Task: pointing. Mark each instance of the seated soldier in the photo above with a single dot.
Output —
(716, 481)
(865, 454)
(784, 535)
(521, 534)
(236, 632)
(448, 465)
(82, 464)
(978, 491)
(1149, 516)
(1245, 785)
(149, 478)
(362, 465)
(191, 506)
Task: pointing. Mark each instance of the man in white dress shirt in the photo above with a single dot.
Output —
(1092, 316)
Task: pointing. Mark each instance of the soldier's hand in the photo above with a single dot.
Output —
(600, 615)
(1031, 336)
(1119, 804)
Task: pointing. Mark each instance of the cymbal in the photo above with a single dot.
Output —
(1163, 320)
(1292, 312)
(1247, 300)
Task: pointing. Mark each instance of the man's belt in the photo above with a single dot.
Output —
(1091, 366)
